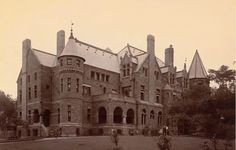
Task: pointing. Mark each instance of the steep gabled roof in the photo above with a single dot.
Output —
(197, 69)
(45, 58)
(141, 58)
(138, 53)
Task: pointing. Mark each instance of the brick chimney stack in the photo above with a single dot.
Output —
(60, 41)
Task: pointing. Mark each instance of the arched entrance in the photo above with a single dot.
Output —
(102, 115)
(130, 116)
(117, 115)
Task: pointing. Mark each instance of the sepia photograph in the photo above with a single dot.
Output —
(117, 75)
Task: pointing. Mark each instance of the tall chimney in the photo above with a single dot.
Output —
(26, 47)
(60, 41)
(169, 56)
(151, 44)
(151, 66)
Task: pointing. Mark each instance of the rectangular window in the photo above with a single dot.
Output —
(128, 70)
(20, 95)
(174, 97)
(126, 91)
(88, 114)
(77, 85)
(104, 90)
(142, 90)
(35, 76)
(97, 76)
(28, 78)
(29, 116)
(61, 84)
(35, 91)
(69, 61)
(20, 81)
(29, 93)
(124, 70)
(86, 90)
(141, 95)
(146, 72)
(58, 115)
(61, 62)
(20, 114)
(69, 113)
(103, 77)
(68, 84)
(107, 78)
(157, 99)
(92, 74)
(78, 63)
(156, 73)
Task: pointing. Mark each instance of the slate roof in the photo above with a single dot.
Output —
(94, 56)
(70, 49)
(45, 58)
(197, 69)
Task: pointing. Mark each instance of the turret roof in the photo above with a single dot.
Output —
(197, 69)
(70, 48)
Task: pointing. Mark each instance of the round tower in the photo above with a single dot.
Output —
(71, 69)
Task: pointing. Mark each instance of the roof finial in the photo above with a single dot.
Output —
(71, 31)
(185, 63)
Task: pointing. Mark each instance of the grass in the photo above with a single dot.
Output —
(103, 143)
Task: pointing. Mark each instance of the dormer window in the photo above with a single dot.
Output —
(69, 61)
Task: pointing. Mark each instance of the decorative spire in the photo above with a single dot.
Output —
(71, 31)
(185, 63)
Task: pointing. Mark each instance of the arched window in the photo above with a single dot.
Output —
(152, 114)
(130, 116)
(143, 117)
(117, 115)
(102, 115)
(159, 119)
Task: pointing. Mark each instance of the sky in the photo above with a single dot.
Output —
(206, 25)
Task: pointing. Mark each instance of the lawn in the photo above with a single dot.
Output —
(103, 143)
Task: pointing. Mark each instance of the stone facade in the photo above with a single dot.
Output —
(86, 90)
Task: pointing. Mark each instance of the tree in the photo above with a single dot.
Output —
(197, 92)
(223, 76)
(7, 110)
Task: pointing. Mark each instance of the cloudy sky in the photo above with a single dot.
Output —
(206, 25)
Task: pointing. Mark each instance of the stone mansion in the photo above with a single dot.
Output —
(86, 90)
